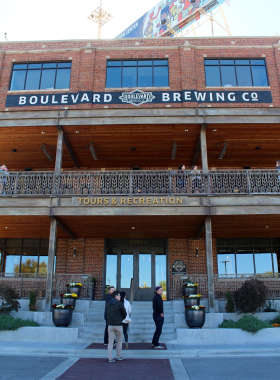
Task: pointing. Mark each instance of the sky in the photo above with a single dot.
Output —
(31, 20)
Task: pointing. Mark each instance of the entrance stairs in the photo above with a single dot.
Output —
(141, 329)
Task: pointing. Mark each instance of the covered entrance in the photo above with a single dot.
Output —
(143, 260)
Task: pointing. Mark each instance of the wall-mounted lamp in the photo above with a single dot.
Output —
(75, 251)
(196, 250)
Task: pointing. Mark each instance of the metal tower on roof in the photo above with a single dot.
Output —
(100, 17)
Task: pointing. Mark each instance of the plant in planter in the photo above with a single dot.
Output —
(229, 306)
(68, 299)
(74, 287)
(93, 286)
(62, 315)
(195, 316)
(189, 288)
(192, 299)
(33, 304)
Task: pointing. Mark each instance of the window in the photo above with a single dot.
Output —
(235, 72)
(24, 256)
(40, 76)
(246, 256)
(153, 73)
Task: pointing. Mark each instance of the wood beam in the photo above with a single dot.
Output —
(69, 148)
(65, 229)
(92, 150)
(51, 256)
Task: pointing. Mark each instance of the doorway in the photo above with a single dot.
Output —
(143, 261)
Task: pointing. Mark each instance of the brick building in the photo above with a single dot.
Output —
(93, 133)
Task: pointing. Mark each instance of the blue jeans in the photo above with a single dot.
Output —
(159, 323)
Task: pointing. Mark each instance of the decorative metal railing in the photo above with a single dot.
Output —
(140, 182)
(223, 284)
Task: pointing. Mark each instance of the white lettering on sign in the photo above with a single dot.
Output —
(244, 96)
(44, 101)
(33, 100)
(53, 100)
(177, 96)
(85, 98)
(74, 100)
(96, 98)
(199, 96)
(254, 97)
(220, 96)
(165, 97)
(64, 99)
(211, 97)
(22, 100)
(108, 98)
(231, 97)
(188, 95)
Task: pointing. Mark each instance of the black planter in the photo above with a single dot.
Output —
(192, 301)
(76, 290)
(62, 317)
(68, 301)
(189, 290)
(195, 318)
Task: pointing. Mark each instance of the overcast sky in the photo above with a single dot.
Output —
(25, 20)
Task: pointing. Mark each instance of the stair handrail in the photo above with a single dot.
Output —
(131, 291)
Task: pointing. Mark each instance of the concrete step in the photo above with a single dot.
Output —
(138, 319)
(132, 338)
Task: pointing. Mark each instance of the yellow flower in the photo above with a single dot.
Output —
(79, 284)
(74, 295)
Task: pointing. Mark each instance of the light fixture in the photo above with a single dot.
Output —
(91, 148)
(223, 151)
(133, 228)
(75, 251)
(133, 148)
(214, 130)
(6, 227)
(186, 130)
(266, 226)
(46, 152)
(258, 147)
(196, 250)
(174, 150)
(14, 150)
(43, 132)
(77, 131)
(163, 21)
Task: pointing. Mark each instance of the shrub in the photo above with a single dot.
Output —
(33, 305)
(251, 296)
(8, 299)
(275, 320)
(246, 323)
(7, 322)
(229, 304)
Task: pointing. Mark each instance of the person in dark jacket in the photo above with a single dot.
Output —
(115, 314)
(158, 316)
(109, 296)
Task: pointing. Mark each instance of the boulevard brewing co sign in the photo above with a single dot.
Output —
(138, 97)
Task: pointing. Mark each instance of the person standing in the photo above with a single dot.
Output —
(127, 320)
(158, 316)
(115, 315)
(109, 296)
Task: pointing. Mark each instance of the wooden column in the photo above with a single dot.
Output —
(51, 256)
(204, 158)
(209, 258)
(59, 151)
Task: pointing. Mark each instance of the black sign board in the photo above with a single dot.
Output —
(179, 267)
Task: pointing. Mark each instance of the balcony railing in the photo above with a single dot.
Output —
(140, 182)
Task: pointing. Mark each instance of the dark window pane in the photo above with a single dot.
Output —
(227, 62)
(145, 78)
(31, 242)
(1, 258)
(145, 63)
(129, 77)
(225, 250)
(112, 250)
(34, 65)
(49, 65)
(114, 63)
(129, 63)
(44, 242)
(14, 242)
(245, 264)
(160, 250)
(17, 82)
(228, 76)
(12, 259)
(262, 241)
(212, 74)
(259, 76)
(32, 79)
(161, 76)
(47, 80)
(2, 241)
(62, 78)
(262, 249)
(208, 62)
(257, 62)
(244, 76)
(244, 241)
(64, 64)
(114, 77)
(242, 62)
(20, 66)
(226, 264)
(161, 63)
(275, 241)
(225, 242)
(244, 250)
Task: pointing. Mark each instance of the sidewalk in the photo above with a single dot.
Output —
(80, 350)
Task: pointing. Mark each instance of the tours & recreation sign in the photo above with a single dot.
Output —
(138, 97)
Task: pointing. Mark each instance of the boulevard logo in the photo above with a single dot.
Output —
(137, 97)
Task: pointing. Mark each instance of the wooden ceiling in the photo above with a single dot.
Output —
(153, 145)
(145, 227)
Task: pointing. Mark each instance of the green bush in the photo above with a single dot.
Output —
(7, 322)
(229, 304)
(251, 296)
(8, 299)
(33, 304)
(246, 323)
(275, 320)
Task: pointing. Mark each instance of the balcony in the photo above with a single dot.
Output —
(212, 182)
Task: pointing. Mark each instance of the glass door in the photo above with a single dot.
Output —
(145, 281)
(126, 270)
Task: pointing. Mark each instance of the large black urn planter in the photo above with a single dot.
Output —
(195, 318)
(76, 290)
(189, 290)
(68, 301)
(192, 301)
(62, 317)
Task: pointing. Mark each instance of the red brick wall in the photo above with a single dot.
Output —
(186, 67)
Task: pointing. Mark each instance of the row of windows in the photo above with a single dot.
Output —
(243, 257)
(139, 73)
(24, 256)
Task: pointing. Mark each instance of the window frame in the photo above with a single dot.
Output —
(235, 65)
(137, 60)
(41, 69)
